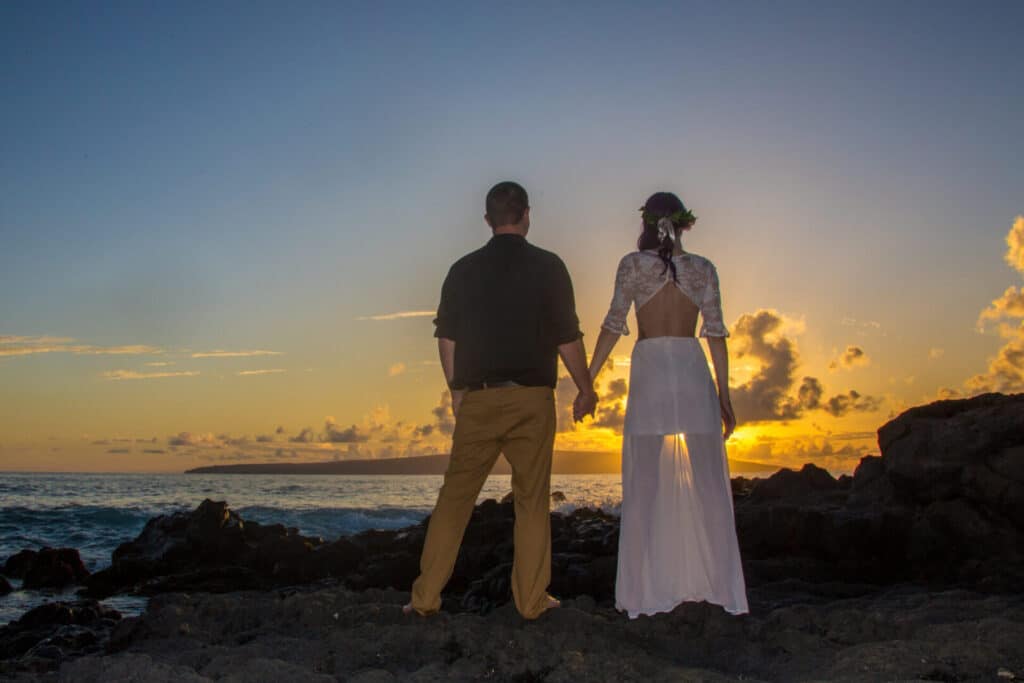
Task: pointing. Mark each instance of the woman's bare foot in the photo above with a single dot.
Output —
(409, 609)
(553, 602)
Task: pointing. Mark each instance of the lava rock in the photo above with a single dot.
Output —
(48, 567)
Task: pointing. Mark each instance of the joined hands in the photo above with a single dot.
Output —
(585, 404)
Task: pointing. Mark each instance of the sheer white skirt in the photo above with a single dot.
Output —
(677, 540)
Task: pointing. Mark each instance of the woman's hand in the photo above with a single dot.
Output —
(728, 418)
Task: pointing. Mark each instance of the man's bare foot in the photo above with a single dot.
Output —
(409, 609)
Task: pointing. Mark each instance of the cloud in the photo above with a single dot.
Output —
(270, 371)
(159, 364)
(851, 401)
(14, 345)
(810, 392)
(132, 374)
(190, 439)
(833, 453)
(400, 315)
(334, 434)
(935, 353)
(852, 357)
(1009, 305)
(1005, 370)
(264, 438)
(235, 354)
(153, 450)
(768, 396)
(396, 369)
(444, 421)
(1015, 245)
(307, 435)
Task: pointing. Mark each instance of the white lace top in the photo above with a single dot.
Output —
(640, 277)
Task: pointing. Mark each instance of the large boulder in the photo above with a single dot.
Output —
(944, 502)
(47, 567)
(18, 563)
(209, 548)
(967, 448)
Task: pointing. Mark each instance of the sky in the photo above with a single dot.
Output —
(225, 225)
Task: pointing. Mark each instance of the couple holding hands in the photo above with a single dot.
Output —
(507, 313)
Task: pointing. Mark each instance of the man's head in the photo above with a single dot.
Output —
(508, 208)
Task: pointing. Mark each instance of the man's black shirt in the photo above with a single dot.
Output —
(507, 306)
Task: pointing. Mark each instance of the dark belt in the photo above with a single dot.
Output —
(474, 386)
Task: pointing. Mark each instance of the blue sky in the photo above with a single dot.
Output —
(259, 176)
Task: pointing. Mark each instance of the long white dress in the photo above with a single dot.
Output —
(677, 539)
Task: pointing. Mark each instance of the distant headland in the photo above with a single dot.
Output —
(565, 462)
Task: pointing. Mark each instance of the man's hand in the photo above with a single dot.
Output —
(585, 404)
(457, 396)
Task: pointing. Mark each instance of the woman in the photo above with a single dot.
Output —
(677, 538)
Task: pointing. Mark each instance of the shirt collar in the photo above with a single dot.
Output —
(506, 238)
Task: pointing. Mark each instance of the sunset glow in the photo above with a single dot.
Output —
(218, 252)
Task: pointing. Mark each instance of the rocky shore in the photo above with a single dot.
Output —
(911, 569)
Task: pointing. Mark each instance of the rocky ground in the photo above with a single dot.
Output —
(909, 570)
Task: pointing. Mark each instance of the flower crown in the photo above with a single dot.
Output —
(681, 217)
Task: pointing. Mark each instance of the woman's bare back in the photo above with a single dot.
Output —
(669, 313)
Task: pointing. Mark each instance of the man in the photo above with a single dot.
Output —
(507, 312)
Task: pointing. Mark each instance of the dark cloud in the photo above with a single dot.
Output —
(766, 395)
(617, 388)
(307, 435)
(810, 393)
(264, 438)
(443, 419)
(852, 401)
(853, 356)
(334, 434)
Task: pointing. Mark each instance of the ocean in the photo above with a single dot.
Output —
(96, 512)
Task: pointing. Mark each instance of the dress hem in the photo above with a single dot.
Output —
(633, 614)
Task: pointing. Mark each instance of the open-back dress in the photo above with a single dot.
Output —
(677, 538)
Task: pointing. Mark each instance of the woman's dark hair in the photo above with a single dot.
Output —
(660, 205)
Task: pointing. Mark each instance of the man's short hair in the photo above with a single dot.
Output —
(506, 204)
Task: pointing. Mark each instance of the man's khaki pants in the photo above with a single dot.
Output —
(519, 422)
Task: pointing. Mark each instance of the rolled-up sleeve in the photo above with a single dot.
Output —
(565, 325)
(446, 322)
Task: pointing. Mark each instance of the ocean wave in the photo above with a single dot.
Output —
(331, 522)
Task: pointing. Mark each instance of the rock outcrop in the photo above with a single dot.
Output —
(55, 631)
(47, 567)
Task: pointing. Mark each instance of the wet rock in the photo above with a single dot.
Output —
(56, 631)
(53, 568)
(5, 586)
(18, 563)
